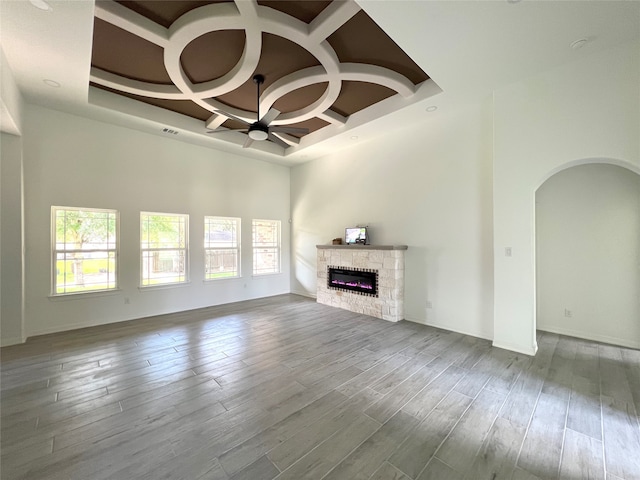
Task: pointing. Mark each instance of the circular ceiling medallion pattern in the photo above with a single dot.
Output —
(211, 52)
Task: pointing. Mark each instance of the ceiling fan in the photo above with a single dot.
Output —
(260, 129)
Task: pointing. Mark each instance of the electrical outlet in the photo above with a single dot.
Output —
(568, 313)
(507, 251)
(127, 301)
(429, 304)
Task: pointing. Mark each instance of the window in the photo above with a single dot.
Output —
(266, 247)
(163, 248)
(85, 250)
(221, 247)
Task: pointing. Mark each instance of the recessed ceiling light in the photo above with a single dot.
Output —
(354, 137)
(581, 42)
(431, 108)
(41, 4)
(51, 83)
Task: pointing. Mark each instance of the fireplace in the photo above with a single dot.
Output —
(384, 262)
(361, 281)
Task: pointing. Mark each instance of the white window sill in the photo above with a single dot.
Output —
(84, 295)
(146, 288)
(221, 279)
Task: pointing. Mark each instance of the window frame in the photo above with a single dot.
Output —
(55, 251)
(278, 247)
(237, 248)
(186, 279)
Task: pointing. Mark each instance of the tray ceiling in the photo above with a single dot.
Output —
(325, 64)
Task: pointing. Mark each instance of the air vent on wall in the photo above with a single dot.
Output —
(168, 130)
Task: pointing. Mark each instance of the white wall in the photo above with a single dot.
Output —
(428, 187)
(73, 161)
(11, 241)
(583, 110)
(11, 103)
(588, 254)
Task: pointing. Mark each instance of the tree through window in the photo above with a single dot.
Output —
(85, 255)
(163, 248)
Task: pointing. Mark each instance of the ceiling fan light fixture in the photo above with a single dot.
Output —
(258, 132)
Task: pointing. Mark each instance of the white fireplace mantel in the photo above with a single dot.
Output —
(362, 247)
(387, 260)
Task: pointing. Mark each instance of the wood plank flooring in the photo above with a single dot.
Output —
(284, 388)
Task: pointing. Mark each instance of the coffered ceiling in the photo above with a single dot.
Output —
(324, 63)
(359, 69)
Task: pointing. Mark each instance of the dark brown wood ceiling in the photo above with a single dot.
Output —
(212, 55)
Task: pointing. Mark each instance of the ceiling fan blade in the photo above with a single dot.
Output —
(248, 142)
(270, 116)
(232, 117)
(222, 130)
(277, 141)
(290, 139)
(284, 129)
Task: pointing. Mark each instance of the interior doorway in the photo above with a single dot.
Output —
(588, 254)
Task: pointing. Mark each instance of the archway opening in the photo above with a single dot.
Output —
(587, 237)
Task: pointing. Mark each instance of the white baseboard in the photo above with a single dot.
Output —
(7, 342)
(423, 321)
(73, 326)
(621, 342)
(530, 351)
(78, 325)
(505, 346)
(303, 293)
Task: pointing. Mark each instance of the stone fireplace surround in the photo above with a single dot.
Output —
(388, 260)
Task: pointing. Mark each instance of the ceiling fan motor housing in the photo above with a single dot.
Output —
(257, 131)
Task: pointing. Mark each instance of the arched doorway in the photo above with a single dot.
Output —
(587, 237)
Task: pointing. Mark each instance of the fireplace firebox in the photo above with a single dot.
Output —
(361, 281)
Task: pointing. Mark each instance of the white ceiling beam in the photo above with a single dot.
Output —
(214, 121)
(331, 19)
(132, 22)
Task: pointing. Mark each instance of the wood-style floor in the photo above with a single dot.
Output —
(286, 388)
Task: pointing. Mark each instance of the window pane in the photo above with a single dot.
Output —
(163, 266)
(163, 241)
(85, 250)
(85, 230)
(266, 233)
(221, 232)
(266, 247)
(163, 231)
(221, 263)
(221, 243)
(265, 260)
(84, 272)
